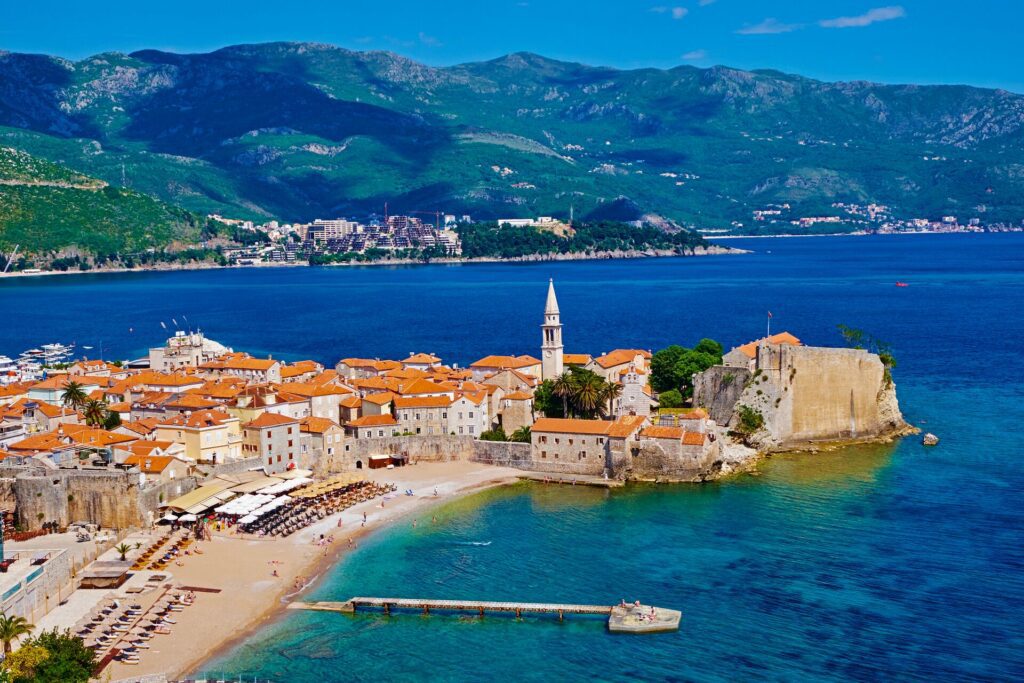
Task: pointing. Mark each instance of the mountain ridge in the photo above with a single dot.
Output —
(299, 130)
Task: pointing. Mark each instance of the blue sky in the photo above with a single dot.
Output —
(907, 41)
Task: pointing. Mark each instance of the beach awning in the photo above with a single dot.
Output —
(169, 517)
(248, 519)
(199, 495)
(187, 518)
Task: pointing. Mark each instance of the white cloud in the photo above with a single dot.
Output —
(768, 26)
(694, 55)
(429, 41)
(676, 12)
(866, 19)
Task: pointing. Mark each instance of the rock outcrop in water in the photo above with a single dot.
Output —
(791, 397)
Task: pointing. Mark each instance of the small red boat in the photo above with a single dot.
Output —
(901, 284)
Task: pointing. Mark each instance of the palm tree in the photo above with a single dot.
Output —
(609, 392)
(123, 549)
(588, 395)
(74, 395)
(12, 628)
(563, 388)
(95, 412)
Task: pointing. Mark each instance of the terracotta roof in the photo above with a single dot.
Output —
(144, 447)
(299, 367)
(505, 362)
(424, 386)
(379, 399)
(620, 356)
(150, 464)
(374, 421)
(143, 427)
(270, 420)
(91, 436)
(260, 364)
(422, 402)
(695, 414)
(192, 402)
(519, 396)
(351, 402)
(422, 358)
(576, 358)
(626, 425)
(316, 425)
(199, 420)
(694, 438)
(750, 348)
(655, 432)
(47, 441)
(570, 426)
(61, 381)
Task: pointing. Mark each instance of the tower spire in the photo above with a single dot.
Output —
(551, 344)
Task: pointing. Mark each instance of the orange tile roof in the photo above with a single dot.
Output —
(422, 402)
(750, 348)
(351, 402)
(270, 420)
(15, 389)
(519, 396)
(379, 399)
(695, 414)
(408, 373)
(144, 447)
(316, 425)
(144, 426)
(325, 377)
(47, 441)
(570, 426)
(420, 358)
(694, 438)
(61, 381)
(374, 421)
(476, 397)
(424, 386)
(260, 364)
(91, 436)
(620, 356)
(506, 362)
(626, 425)
(656, 432)
(150, 464)
(300, 367)
(192, 402)
(200, 420)
(378, 383)
(576, 358)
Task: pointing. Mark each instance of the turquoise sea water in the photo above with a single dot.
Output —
(874, 563)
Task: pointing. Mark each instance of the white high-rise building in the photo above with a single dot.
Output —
(551, 347)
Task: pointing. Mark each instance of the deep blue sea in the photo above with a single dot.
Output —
(881, 563)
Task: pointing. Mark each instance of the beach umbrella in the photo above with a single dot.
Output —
(169, 517)
(187, 518)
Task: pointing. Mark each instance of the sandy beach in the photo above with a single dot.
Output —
(241, 570)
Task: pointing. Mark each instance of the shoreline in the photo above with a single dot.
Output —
(710, 250)
(303, 559)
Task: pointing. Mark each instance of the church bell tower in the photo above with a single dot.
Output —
(551, 347)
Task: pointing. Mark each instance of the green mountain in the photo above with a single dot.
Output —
(295, 131)
(47, 208)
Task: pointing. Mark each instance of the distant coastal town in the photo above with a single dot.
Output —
(128, 486)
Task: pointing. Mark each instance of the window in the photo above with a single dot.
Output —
(270, 461)
(570, 442)
(556, 440)
(470, 429)
(269, 433)
(291, 456)
(471, 415)
(444, 416)
(279, 458)
(330, 451)
(289, 430)
(380, 432)
(543, 454)
(460, 429)
(289, 443)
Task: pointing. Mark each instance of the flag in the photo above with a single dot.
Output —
(769, 314)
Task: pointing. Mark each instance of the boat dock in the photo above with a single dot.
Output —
(627, 619)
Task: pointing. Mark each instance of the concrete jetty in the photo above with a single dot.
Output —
(621, 618)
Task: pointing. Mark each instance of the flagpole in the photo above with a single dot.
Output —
(769, 324)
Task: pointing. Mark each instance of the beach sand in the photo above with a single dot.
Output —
(242, 568)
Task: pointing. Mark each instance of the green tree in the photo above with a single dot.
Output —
(123, 549)
(563, 388)
(496, 434)
(12, 628)
(74, 396)
(95, 412)
(545, 402)
(112, 421)
(521, 435)
(70, 661)
(609, 393)
(22, 664)
(670, 399)
(663, 365)
(588, 395)
(688, 365)
(710, 346)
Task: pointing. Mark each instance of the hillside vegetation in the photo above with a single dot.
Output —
(297, 130)
(46, 208)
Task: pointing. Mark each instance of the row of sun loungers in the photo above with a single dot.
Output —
(302, 512)
(128, 628)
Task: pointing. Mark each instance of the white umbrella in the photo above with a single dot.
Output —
(169, 517)
(187, 518)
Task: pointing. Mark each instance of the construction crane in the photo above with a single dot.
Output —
(11, 259)
(435, 214)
